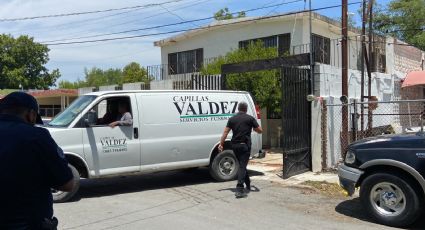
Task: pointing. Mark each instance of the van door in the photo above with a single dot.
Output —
(184, 127)
(112, 150)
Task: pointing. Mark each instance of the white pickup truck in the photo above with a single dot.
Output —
(170, 130)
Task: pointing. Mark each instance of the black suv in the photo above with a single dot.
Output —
(390, 172)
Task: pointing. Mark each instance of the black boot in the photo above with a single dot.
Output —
(240, 193)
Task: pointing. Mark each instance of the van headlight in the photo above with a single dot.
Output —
(350, 157)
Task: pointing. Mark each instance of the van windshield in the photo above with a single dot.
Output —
(69, 114)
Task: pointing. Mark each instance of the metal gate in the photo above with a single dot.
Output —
(296, 120)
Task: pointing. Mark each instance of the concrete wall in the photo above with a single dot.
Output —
(329, 80)
(108, 87)
(135, 86)
(85, 90)
(163, 84)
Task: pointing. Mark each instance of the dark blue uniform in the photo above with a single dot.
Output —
(30, 164)
(241, 125)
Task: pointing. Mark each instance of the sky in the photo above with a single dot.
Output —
(72, 59)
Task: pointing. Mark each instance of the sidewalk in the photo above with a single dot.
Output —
(272, 168)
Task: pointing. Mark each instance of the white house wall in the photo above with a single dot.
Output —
(384, 87)
(219, 41)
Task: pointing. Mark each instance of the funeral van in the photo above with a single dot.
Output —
(170, 130)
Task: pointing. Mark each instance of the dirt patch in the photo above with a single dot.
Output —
(328, 189)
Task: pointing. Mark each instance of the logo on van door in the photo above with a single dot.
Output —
(112, 144)
(200, 108)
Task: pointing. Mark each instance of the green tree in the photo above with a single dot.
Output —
(133, 72)
(97, 77)
(22, 62)
(64, 84)
(224, 14)
(264, 85)
(403, 19)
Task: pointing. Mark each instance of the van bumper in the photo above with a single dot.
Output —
(261, 154)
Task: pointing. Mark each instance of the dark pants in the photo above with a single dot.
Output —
(242, 152)
(23, 224)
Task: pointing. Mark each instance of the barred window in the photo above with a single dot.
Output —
(281, 42)
(321, 49)
(185, 62)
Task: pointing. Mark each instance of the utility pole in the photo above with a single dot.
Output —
(369, 72)
(362, 62)
(311, 50)
(344, 50)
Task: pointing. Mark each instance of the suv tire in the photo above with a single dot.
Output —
(225, 166)
(391, 199)
(60, 196)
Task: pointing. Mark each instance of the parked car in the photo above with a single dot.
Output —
(390, 171)
(170, 130)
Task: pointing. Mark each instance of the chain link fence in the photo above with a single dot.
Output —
(365, 119)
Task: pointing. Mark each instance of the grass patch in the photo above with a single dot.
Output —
(328, 189)
(4, 92)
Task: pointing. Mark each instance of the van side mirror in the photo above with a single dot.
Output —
(90, 118)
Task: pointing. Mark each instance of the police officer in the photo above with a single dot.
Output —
(241, 125)
(31, 163)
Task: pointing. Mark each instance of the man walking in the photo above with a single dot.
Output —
(31, 164)
(241, 125)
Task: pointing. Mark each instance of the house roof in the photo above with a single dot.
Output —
(246, 20)
(54, 93)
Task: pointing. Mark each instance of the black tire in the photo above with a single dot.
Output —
(224, 166)
(59, 196)
(382, 185)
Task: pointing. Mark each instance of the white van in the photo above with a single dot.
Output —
(170, 130)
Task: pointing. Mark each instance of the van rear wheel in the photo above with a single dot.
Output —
(60, 196)
(225, 166)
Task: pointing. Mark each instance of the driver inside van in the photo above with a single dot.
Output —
(110, 115)
(125, 118)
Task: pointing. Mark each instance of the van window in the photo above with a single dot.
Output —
(69, 114)
(106, 111)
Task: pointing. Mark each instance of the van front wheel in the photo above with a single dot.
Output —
(60, 196)
(224, 166)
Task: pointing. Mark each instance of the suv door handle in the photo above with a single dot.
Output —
(136, 133)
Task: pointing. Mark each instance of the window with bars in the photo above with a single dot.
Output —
(321, 49)
(282, 42)
(189, 61)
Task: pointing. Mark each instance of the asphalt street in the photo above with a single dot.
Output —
(192, 200)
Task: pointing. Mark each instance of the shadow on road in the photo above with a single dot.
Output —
(137, 183)
(353, 208)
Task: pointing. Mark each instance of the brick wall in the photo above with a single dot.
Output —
(407, 58)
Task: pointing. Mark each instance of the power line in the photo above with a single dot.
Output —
(194, 29)
(183, 6)
(154, 15)
(87, 12)
(79, 22)
(167, 25)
